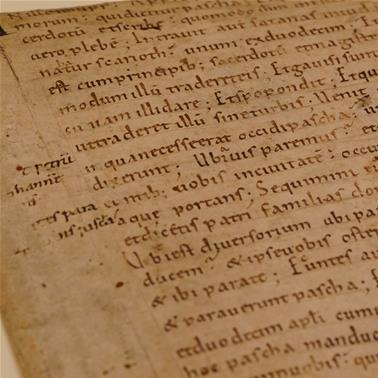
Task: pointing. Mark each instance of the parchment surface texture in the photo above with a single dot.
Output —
(189, 189)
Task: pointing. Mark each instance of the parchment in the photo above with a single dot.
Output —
(189, 189)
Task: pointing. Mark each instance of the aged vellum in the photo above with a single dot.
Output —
(189, 189)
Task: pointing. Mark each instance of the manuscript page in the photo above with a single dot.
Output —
(189, 189)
